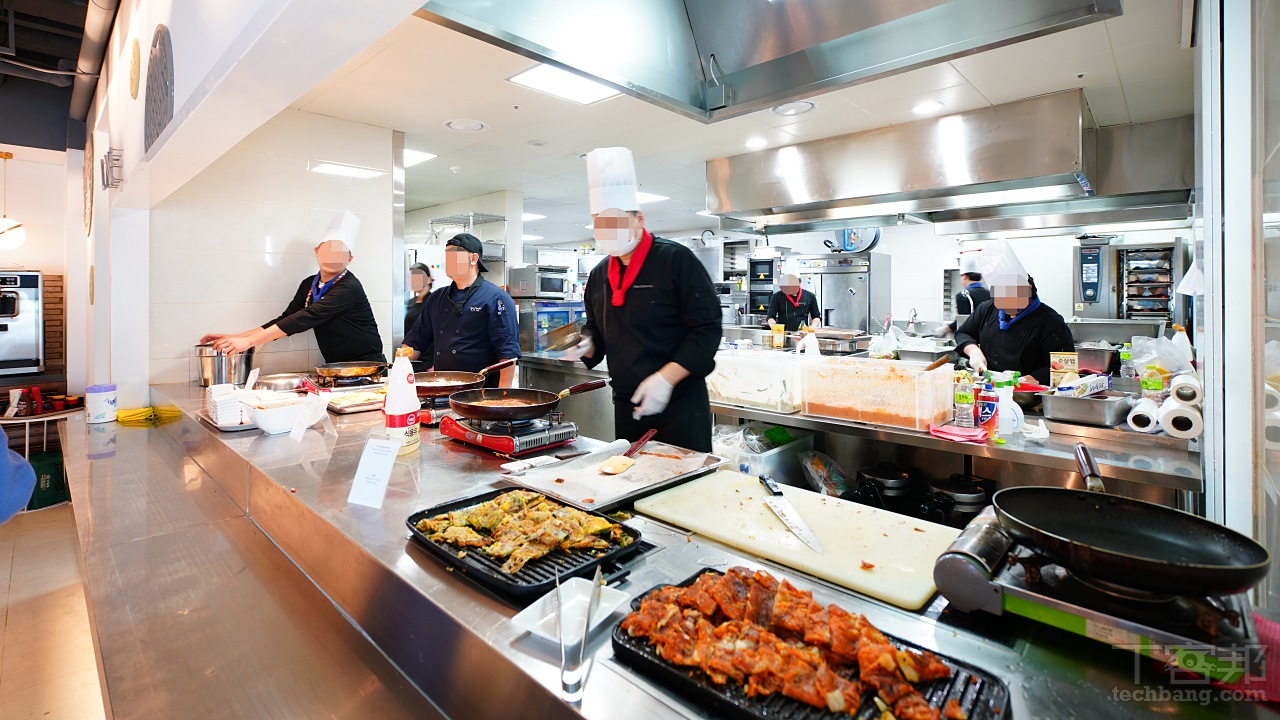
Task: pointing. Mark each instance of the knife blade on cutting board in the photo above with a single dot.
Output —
(727, 506)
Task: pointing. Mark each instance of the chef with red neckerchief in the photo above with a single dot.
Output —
(651, 311)
(793, 306)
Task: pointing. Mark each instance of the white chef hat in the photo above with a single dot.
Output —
(969, 262)
(611, 179)
(1000, 265)
(344, 228)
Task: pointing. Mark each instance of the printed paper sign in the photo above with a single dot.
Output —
(374, 473)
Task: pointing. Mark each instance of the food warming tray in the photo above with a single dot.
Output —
(536, 578)
(982, 695)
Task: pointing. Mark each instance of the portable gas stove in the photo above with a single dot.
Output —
(512, 438)
(1210, 636)
(435, 410)
(321, 383)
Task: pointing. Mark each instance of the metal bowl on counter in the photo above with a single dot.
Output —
(281, 382)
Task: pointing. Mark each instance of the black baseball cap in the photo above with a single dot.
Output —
(470, 243)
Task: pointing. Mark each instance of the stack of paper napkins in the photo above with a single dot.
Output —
(223, 405)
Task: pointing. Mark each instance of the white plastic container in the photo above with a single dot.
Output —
(766, 380)
(781, 463)
(400, 409)
(276, 419)
(100, 403)
(899, 393)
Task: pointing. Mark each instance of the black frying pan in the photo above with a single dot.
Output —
(1132, 543)
(441, 383)
(536, 402)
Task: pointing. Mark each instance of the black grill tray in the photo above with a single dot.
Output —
(982, 695)
(537, 577)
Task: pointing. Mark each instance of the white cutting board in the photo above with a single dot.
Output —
(729, 507)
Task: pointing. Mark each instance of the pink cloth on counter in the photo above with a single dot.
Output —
(974, 435)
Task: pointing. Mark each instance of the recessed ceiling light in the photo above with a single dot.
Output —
(927, 107)
(462, 125)
(756, 143)
(416, 157)
(799, 107)
(530, 237)
(351, 171)
(589, 227)
(644, 197)
(531, 216)
(537, 143)
(563, 84)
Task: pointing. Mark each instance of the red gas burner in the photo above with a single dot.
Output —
(510, 438)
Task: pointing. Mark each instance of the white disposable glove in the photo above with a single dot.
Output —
(652, 396)
(977, 360)
(582, 349)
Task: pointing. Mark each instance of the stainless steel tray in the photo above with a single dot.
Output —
(927, 355)
(204, 415)
(357, 408)
(1106, 409)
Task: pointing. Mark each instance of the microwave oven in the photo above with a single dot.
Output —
(549, 282)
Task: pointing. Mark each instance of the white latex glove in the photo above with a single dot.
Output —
(977, 360)
(579, 351)
(941, 331)
(652, 396)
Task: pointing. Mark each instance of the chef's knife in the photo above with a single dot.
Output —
(786, 512)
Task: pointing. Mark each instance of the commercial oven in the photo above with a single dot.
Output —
(1131, 281)
(853, 289)
(21, 322)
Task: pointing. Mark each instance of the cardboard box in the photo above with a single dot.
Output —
(1062, 364)
(1089, 385)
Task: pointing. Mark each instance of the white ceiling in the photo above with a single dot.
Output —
(421, 74)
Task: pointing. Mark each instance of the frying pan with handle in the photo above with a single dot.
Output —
(1129, 542)
(354, 368)
(536, 402)
(441, 383)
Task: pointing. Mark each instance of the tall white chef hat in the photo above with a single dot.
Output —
(611, 179)
(1000, 265)
(344, 228)
(969, 262)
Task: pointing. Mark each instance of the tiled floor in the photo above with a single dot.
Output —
(47, 666)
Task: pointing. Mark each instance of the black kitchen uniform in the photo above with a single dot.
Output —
(977, 293)
(467, 330)
(791, 312)
(1024, 347)
(670, 314)
(411, 312)
(342, 320)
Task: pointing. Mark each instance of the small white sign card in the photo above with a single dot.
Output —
(369, 487)
(313, 409)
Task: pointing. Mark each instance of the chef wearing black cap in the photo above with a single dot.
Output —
(652, 312)
(472, 324)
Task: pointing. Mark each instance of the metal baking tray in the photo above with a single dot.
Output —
(981, 694)
(536, 578)
(357, 408)
(1106, 409)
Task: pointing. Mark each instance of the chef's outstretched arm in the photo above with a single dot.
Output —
(262, 334)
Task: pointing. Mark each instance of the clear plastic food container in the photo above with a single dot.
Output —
(877, 392)
(767, 380)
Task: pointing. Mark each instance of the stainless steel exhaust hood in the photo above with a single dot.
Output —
(1143, 174)
(765, 52)
(1026, 151)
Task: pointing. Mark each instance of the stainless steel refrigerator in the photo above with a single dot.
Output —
(853, 289)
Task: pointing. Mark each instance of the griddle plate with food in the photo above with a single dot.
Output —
(981, 695)
(537, 577)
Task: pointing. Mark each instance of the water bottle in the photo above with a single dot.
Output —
(964, 403)
(1127, 369)
(1152, 384)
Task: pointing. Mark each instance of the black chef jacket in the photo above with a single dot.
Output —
(978, 294)
(467, 339)
(342, 320)
(671, 314)
(1024, 347)
(411, 312)
(781, 309)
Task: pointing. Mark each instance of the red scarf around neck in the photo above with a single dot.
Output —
(795, 301)
(621, 282)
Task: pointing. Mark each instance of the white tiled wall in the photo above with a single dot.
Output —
(229, 249)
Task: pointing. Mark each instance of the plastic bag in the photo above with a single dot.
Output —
(1160, 352)
(886, 346)
(824, 475)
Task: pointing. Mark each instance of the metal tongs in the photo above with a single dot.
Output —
(573, 656)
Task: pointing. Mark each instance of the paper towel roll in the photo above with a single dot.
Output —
(1142, 417)
(1270, 398)
(1179, 421)
(1271, 431)
(1187, 390)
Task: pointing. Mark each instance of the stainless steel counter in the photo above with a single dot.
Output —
(454, 640)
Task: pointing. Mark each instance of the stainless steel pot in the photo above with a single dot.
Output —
(219, 368)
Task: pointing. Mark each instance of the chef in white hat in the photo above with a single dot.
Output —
(973, 291)
(651, 310)
(332, 303)
(1013, 330)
